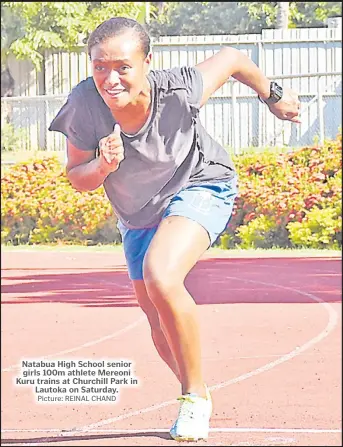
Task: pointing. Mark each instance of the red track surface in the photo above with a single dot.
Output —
(271, 331)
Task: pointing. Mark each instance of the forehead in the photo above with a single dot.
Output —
(125, 45)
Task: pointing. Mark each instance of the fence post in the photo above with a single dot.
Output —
(261, 107)
(42, 118)
(320, 109)
(235, 129)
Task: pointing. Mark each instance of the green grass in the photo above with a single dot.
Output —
(215, 251)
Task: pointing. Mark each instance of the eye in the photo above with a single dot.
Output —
(99, 68)
(124, 68)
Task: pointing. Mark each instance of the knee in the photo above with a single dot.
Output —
(159, 281)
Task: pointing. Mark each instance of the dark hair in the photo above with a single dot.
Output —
(114, 26)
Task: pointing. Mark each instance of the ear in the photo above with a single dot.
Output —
(147, 61)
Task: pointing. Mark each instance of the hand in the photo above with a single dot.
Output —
(112, 149)
(288, 107)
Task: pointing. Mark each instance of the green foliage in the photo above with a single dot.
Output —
(202, 18)
(100, 11)
(285, 200)
(11, 28)
(256, 233)
(277, 190)
(11, 139)
(199, 18)
(313, 14)
(320, 228)
(55, 25)
(38, 205)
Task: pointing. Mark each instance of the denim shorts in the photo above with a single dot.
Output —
(209, 204)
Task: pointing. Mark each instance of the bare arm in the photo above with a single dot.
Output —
(228, 62)
(87, 172)
(84, 171)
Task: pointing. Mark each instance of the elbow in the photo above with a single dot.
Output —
(232, 53)
(77, 185)
(236, 58)
(80, 188)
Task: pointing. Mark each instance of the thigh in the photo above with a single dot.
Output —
(136, 243)
(191, 224)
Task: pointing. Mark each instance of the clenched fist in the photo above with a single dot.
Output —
(112, 150)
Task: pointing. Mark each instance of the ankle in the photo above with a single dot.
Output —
(200, 390)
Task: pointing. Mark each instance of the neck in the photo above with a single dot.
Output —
(132, 117)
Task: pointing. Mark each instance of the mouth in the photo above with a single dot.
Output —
(114, 93)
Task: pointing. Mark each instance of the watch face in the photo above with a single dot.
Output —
(275, 93)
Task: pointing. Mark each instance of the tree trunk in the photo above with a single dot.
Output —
(7, 82)
(7, 90)
(282, 15)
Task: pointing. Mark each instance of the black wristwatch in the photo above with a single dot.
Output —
(276, 92)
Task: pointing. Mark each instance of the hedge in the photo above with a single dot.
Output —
(40, 206)
(290, 199)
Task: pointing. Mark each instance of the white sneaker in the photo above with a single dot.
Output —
(192, 423)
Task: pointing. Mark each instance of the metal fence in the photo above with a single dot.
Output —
(235, 119)
(310, 60)
(287, 52)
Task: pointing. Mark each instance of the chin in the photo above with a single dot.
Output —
(117, 106)
(117, 103)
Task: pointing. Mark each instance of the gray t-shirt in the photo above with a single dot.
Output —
(170, 152)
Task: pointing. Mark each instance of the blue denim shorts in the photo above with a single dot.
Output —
(209, 204)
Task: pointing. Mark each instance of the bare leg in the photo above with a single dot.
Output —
(157, 333)
(176, 247)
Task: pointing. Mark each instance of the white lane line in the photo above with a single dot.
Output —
(84, 345)
(89, 343)
(60, 437)
(333, 318)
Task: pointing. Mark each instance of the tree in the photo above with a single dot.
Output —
(11, 27)
(201, 18)
(313, 14)
(29, 29)
(59, 25)
(282, 15)
(301, 14)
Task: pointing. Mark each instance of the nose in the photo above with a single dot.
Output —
(113, 78)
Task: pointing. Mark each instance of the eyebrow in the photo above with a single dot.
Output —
(101, 59)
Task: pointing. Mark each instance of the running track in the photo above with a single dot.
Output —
(271, 331)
